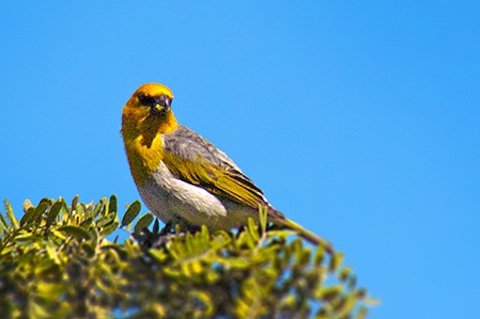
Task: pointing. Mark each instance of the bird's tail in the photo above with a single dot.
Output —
(308, 235)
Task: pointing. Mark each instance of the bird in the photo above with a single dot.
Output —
(184, 178)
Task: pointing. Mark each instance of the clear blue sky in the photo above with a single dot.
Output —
(359, 120)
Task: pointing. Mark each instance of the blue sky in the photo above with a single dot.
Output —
(359, 120)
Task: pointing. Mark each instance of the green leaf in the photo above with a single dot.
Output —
(253, 229)
(203, 300)
(100, 207)
(319, 256)
(108, 229)
(106, 219)
(239, 263)
(362, 314)
(27, 216)
(37, 310)
(74, 231)
(27, 204)
(335, 262)
(33, 214)
(54, 212)
(75, 201)
(29, 237)
(86, 223)
(345, 305)
(263, 213)
(3, 225)
(49, 290)
(39, 211)
(156, 226)
(10, 215)
(143, 222)
(53, 254)
(112, 205)
(352, 281)
(345, 273)
(329, 293)
(132, 211)
(88, 248)
(158, 254)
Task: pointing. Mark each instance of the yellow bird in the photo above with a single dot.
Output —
(182, 177)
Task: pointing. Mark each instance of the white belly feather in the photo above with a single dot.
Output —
(167, 196)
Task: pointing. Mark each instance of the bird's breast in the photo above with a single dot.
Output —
(144, 158)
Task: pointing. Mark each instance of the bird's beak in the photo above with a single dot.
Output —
(159, 109)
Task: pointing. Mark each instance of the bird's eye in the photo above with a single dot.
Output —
(146, 100)
(153, 101)
(141, 98)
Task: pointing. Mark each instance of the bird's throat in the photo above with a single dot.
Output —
(144, 145)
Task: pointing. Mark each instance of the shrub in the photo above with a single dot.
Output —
(64, 261)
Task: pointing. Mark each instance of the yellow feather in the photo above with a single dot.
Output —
(217, 180)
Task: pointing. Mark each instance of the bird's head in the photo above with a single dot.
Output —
(148, 111)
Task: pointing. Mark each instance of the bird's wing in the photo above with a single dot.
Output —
(195, 160)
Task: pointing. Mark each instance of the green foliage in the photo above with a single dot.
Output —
(58, 261)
